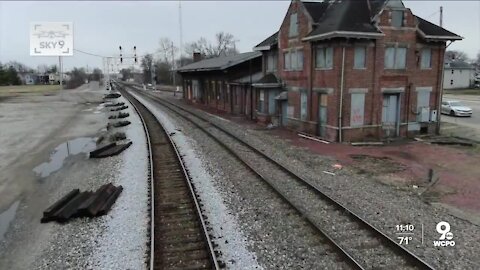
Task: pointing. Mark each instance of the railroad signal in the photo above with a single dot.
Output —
(121, 58)
(135, 53)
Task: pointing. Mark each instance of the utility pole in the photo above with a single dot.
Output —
(173, 65)
(154, 82)
(441, 16)
(181, 29)
(60, 71)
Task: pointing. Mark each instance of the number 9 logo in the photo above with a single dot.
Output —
(443, 228)
(61, 43)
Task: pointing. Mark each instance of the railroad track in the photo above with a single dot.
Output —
(362, 245)
(179, 237)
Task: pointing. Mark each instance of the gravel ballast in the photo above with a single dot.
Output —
(272, 232)
(383, 206)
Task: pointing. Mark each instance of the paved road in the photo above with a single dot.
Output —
(470, 125)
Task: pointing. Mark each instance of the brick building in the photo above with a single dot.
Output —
(223, 83)
(352, 70)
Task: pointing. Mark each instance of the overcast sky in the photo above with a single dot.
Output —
(100, 27)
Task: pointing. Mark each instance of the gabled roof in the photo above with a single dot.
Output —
(346, 18)
(268, 43)
(457, 64)
(219, 63)
(432, 31)
(315, 9)
(269, 80)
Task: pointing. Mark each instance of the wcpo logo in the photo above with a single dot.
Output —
(443, 228)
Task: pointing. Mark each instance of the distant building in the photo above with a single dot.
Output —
(458, 74)
(54, 78)
(223, 83)
(28, 78)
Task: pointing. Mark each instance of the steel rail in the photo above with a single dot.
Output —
(350, 260)
(411, 257)
(206, 236)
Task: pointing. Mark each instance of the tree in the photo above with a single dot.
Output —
(167, 49)
(456, 55)
(477, 61)
(12, 76)
(3, 76)
(96, 75)
(147, 62)
(127, 73)
(78, 76)
(52, 69)
(224, 45)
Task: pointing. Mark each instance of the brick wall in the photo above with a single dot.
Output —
(373, 78)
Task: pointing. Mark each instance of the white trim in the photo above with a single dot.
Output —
(358, 90)
(393, 90)
(424, 88)
(262, 48)
(344, 33)
(266, 85)
(438, 37)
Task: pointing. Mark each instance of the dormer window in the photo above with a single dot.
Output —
(397, 18)
(293, 31)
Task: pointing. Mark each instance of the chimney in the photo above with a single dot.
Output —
(197, 57)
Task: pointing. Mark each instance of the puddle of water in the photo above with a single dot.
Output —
(61, 152)
(6, 217)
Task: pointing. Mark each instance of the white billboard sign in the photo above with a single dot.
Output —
(51, 39)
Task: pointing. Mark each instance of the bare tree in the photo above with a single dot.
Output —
(456, 55)
(147, 62)
(167, 49)
(224, 45)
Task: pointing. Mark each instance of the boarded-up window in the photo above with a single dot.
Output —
(303, 105)
(227, 96)
(271, 101)
(196, 92)
(293, 31)
(357, 109)
(423, 105)
(294, 60)
(261, 101)
(397, 18)
(359, 61)
(395, 57)
(299, 56)
(426, 61)
(271, 62)
(287, 63)
(219, 90)
(324, 57)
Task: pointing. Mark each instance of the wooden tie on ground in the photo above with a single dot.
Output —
(83, 204)
(109, 150)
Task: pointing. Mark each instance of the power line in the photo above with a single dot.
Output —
(92, 54)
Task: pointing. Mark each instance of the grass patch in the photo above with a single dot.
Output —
(463, 92)
(27, 89)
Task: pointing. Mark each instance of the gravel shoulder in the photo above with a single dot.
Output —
(115, 241)
(382, 205)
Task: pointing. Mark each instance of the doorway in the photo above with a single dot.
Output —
(322, 115)
(391, 115)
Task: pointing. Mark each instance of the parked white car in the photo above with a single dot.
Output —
(455, 108)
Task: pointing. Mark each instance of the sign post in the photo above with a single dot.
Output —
(52, 39)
